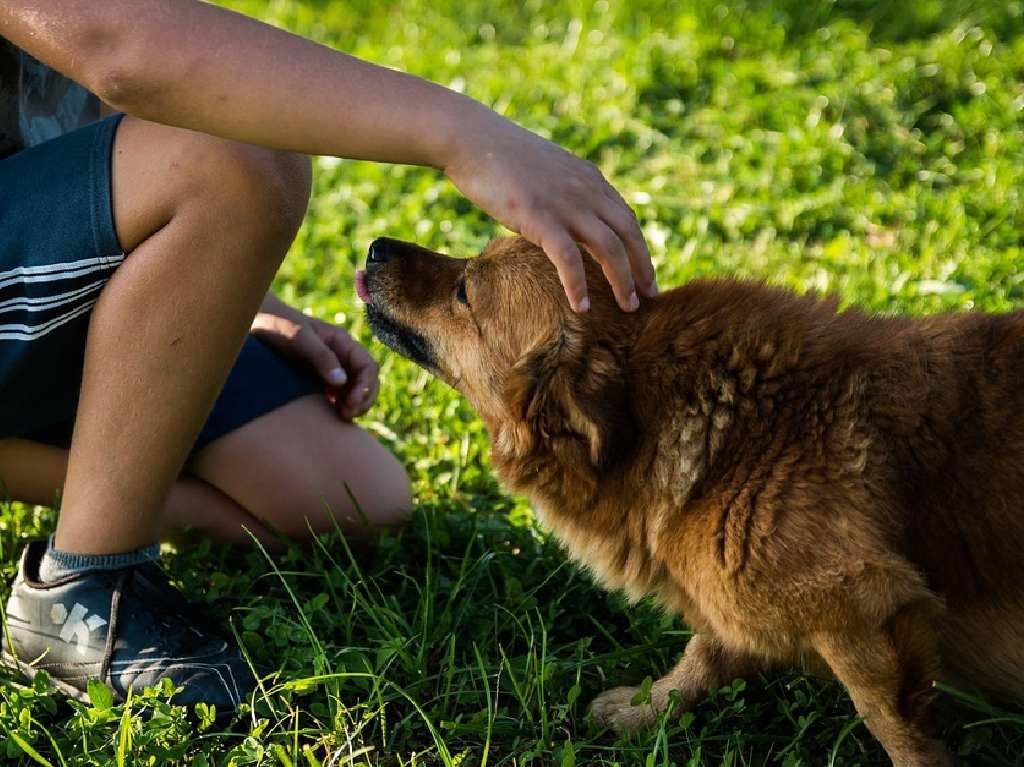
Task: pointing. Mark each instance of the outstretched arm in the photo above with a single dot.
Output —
(194, 65)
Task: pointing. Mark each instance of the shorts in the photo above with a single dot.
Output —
(58, 247)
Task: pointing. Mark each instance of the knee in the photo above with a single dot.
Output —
(264, 190)
(270, 188)
(161, 173)
(388, 503)
(318, 496)
(376, 500)
(300, 469)
(287, 180)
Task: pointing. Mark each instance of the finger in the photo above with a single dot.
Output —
(311, 347)
(363, 371)
(350, 352)
(363, 392)
(606, 247)
(369, 396)
(621, 220)
(560, 248)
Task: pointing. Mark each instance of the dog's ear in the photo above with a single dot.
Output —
(561, 390)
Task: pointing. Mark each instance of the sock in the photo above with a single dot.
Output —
(57, 564)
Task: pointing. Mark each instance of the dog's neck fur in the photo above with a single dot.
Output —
(723, 376)
(570, 493)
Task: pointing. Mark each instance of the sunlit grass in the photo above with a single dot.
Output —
(869, 149)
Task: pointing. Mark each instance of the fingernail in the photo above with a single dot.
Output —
(650, 290)
(337, 376)
(584, 305)
(634, 302)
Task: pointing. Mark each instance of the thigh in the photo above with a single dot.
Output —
(300, 466)
(32, 472)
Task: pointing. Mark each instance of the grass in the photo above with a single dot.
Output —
(872, 149)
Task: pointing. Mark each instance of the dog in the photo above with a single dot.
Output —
(803, 486)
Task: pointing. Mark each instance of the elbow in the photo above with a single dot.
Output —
(125, 86)
(119, 67)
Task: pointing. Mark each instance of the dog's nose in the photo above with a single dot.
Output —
(379, 251)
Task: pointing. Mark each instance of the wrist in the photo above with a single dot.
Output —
(271, 323)
(274, 306)
(462, 126)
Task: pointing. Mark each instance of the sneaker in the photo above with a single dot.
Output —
(127, 627)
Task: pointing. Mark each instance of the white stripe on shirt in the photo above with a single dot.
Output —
(44, 303)
(16, 332)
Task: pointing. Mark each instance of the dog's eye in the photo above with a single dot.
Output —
(460, 292)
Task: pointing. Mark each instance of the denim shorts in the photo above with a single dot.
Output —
(58, 248)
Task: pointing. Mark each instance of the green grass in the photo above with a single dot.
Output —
(870, 149)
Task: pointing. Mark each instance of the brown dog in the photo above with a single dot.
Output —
(801, 485)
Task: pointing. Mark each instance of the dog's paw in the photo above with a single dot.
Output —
(614, 708)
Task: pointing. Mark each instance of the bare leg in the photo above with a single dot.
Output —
(888, 672)
(706, 665)
(34, 473)
(287, 470)
(207, 223)
(195, 507)
(294, 467)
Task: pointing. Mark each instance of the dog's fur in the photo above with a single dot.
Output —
(802, 486)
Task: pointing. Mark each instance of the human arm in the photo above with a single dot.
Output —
(197, 66)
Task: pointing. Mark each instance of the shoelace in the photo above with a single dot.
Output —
(178, 605)
(115, 611)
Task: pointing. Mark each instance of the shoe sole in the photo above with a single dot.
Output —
(55, 684)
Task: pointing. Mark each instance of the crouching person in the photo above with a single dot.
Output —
(146, 372)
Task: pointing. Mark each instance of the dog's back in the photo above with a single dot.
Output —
(954, 428)
(940, 404)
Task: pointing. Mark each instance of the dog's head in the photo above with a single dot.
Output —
(499, 329)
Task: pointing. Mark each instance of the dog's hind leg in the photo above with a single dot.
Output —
(888, 671)
(706, 665)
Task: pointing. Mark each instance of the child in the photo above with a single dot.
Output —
(135, 252)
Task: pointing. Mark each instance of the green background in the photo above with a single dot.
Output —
(864, 148)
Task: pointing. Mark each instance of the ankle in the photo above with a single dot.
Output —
(57, 563)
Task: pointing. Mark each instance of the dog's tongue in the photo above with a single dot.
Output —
(361, 291)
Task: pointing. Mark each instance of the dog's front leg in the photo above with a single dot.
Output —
(888, 671)
(706, 665)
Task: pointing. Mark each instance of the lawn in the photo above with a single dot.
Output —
(866, 148)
